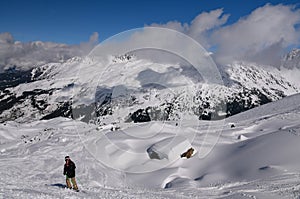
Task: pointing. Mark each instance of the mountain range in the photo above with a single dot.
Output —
(129, 89)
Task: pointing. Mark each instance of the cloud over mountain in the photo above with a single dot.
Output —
(31, 54)
(262, 36)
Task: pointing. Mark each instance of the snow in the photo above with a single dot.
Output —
(255, 76)
(250, 155)
(115, 164)
(292, 75)
(169, 148)
(242, 137)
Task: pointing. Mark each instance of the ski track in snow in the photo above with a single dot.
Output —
(263, 165)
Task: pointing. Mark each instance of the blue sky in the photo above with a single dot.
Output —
(72, 22)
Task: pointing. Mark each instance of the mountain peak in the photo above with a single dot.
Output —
(292, 59)
(123, 58)
(295, 53)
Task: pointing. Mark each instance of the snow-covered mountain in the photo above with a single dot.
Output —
(128, 89)
(28, 55)
(290, 67)
(292, 59)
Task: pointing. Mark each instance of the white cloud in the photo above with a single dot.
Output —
(165, 45)
(262, 36)
(175, 25)
(198, 29)
(6, 38)
(32, 54)
(205, 22)
(200, 26)
(267, 30)
(86, 47)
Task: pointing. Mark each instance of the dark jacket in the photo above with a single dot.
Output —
(69, 169)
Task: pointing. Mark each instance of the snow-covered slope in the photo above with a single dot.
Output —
(116, 164)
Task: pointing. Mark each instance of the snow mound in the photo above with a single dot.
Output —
(242, 137)
(169, 148)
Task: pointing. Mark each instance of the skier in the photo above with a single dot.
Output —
(69, 171)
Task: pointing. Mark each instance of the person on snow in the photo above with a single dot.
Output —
(69, 172)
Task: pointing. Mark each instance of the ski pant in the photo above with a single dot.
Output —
(73, 182)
